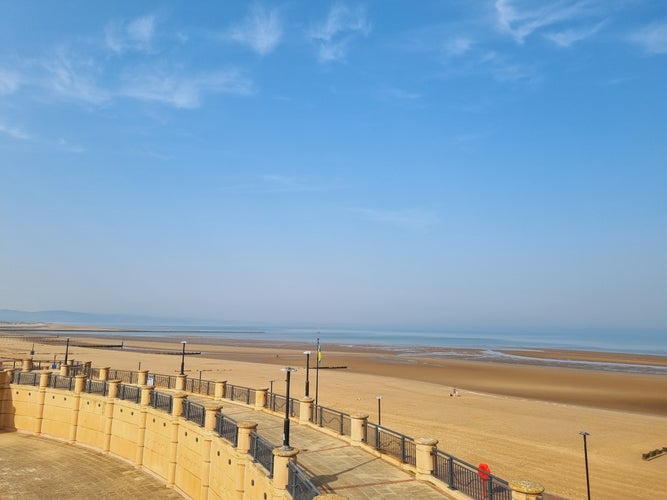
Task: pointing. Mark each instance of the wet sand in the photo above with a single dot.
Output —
(521, 414)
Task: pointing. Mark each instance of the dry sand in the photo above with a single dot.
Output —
(521, 417)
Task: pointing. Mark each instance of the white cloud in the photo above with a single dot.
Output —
(653, 38)
(521, 19)
(568, 37)
(14, 132)
(334, 35)
(458, 46)
(416, 219)
(135, 35)
(182, 91)
(74, 78)
(9, 82)
(261, 30)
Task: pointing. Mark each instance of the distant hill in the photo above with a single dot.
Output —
(93, 319)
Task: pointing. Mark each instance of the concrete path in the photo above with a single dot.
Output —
(34, 468)
(335, 466)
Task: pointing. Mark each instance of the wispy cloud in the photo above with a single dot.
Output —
(458, 46)
(262, 30)
(522, 19)
(14, 132)
(569, 37)
(334, 35)
(182, 90)
(413, 218)
(653, 38)
(74, 78)
(136, 35)
(10, 82)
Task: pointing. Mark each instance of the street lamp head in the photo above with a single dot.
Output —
(307, 353)
(184, 341)
(378, 398)
(288, 369)
(584, 433)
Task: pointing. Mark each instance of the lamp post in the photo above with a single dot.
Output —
(588, 484)
(307, 353)
(183, 342)
(66, 350)
(379, 398)
(271, 383)
(288, 371)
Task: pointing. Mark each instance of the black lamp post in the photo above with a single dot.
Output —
(588, 484)
(307, 353)
(288, 371)
(66, 350)
(183, 342)
(379, 398)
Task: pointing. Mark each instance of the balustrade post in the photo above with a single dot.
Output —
(6, 411)
(209, 418)
(220, 387)
(142, 377)
(243, 440)
(113, 388)
(146, 391)
(44, 379)
(26, 366)
(79, 382)
(180, 382)
(424, 448)
(65, 369)
(177, 407)
(358, 428)
(526, 490)
(244, 430)
(104, 373)
(281, 460)
(260, 398)
(305, 410)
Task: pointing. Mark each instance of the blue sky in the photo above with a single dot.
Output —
(435, 164)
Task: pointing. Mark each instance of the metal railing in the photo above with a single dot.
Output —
(391, 442)
(238, 393)
(276, 402)
(332, 419)
(162, 401)
(96, 387)
(227, 429)
(95, 373)
(194, 412)
(129, 393)
(476, 483)
(261, 451)
(198, 386)
(166, 381)
(126, 376)
(25, 378)
(298, 484)
(62, 382)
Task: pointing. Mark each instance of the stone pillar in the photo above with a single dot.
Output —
(177, 406)
(281, 459)
(243, 441)
(180, 382)
(209, 419)
(173, 441)
(205, 466)
(104, 373)
(64, 369)
(146, 391)
(305, 409)
(79, 382)
(424, 457)
(220, 387)
(112, 385)
(260, 398)
(526, 490)
(44, 379)
(142, 377)
(108, 415)
(26, 366)
(6, 414)
(358, 428)
(41, 398)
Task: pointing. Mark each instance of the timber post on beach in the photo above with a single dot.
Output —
(526, 490)
(358, 428)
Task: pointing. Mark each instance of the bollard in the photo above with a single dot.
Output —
(526, 490)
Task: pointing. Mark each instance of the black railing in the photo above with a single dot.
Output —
(392, 442)
(26, 378)
(476, 483)
(261, 451)
(126, 376)
(194, 412)
(276, 402)
(299, 486)
(227, 428)
(62, 382)
(166, 381)
(129, 393)
(332, 419)
(96, 387)
(162, 401)
(238, 393)
(95, 373)
(197, 386)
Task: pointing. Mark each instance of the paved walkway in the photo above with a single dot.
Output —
(33, 468)
(335, 466)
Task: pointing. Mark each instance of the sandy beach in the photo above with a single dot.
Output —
(521, 414)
